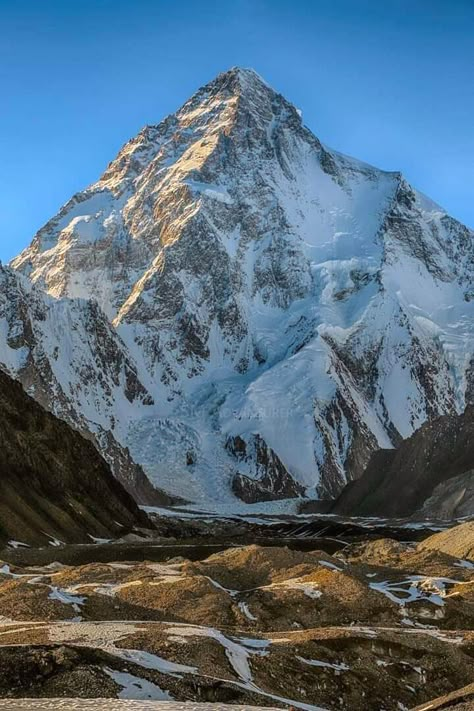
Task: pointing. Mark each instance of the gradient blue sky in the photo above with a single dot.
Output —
(390, 83)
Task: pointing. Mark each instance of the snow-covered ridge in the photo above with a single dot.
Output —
(287, 309)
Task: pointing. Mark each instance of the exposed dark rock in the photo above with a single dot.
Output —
(452, 499)
(274, 481)
(53, 482)
(401, 481)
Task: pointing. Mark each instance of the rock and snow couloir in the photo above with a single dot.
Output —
(265, 311)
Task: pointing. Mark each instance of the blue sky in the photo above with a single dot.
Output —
(390, 83)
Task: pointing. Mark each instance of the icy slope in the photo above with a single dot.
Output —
(289, 309)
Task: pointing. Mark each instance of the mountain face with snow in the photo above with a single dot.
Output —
(280, 310)
(71, 360)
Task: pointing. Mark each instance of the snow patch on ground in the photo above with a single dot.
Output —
(415, 587)
(135, 688)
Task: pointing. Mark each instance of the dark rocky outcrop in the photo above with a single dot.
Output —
(53, 482)
(438, 457)
(273, 482)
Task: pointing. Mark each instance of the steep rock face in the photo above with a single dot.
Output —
(272, 481)
(432, 473)
(53, 482)
(267, 287)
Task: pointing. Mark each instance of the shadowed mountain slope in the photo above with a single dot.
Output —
(432, 471)
(53, 482)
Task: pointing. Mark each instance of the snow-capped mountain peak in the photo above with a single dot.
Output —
(288, 308)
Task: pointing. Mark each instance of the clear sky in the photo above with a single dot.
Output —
(388, 82)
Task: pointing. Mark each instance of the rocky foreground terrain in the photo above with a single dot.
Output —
(381, 624)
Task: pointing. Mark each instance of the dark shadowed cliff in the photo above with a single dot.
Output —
(432, 471)
(53, 482)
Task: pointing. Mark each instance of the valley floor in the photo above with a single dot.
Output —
(376, 624)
